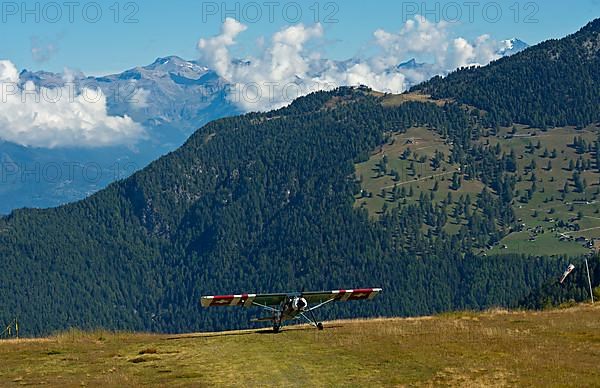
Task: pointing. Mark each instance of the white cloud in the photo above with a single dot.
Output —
(461, 53)
(362, 73)
(270, 79)
(216, 48)
(59, 117)
(426, 40)
(418, 37)
(8, 72)
(284, 68)
(487, 49)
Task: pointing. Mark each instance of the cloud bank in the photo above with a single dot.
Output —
(60, 116)
(286, 69)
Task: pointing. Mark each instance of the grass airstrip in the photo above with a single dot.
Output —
(493, 348)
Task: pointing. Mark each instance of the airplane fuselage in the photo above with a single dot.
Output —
(291, 308)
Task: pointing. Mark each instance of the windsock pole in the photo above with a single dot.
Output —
(589, 280)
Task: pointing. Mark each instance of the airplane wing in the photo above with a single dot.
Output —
(244, 300)
(313, 297)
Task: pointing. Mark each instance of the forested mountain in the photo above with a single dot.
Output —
(554, 83)
(266, 202)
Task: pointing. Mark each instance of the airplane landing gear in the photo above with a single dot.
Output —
(277, 324)
(313, 320)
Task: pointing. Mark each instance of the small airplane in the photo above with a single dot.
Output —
(289, 306)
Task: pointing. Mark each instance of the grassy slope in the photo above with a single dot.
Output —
(559, 347)
(549, 192)
(549, 183)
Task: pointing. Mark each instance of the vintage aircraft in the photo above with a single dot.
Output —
(290, 306)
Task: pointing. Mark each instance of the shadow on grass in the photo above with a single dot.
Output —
(249, 332)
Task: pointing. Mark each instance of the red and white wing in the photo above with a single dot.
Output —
(244, 300)
(312, 297)
(341, 295)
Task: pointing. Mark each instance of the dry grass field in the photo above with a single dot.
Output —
(493, 348)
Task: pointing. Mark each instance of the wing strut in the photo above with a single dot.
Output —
(320, 304)
(312, 320)
(269, 308)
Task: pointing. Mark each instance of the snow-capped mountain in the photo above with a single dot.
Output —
(512, 46)
(171, 94)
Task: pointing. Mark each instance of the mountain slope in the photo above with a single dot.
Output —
(551, 84)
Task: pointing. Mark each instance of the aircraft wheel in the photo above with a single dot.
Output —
(276, 329)
(320, 325)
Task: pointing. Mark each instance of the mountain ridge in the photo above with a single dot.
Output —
(560, 73)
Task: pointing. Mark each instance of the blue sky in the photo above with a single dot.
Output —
(144, 30)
